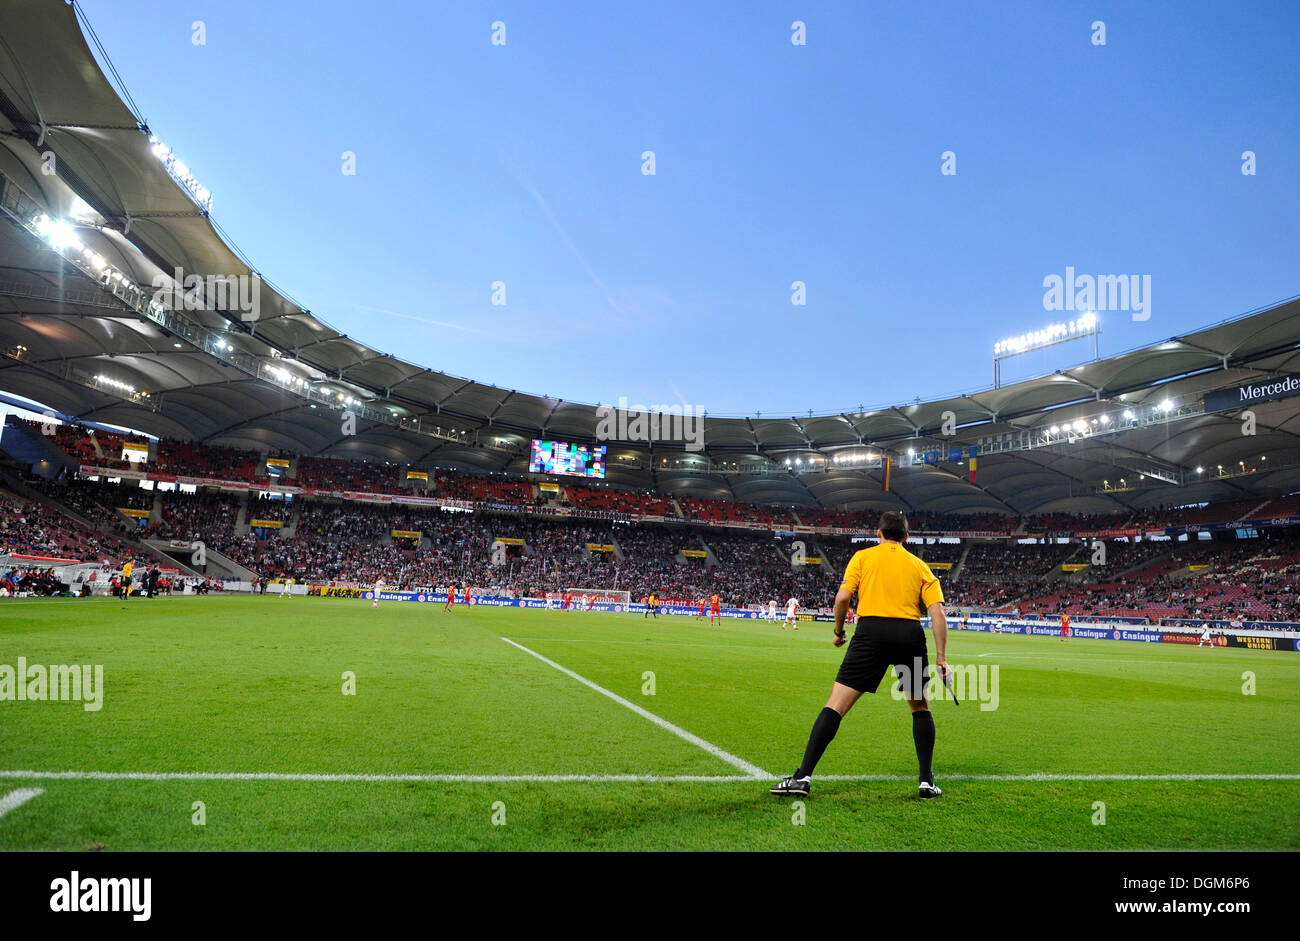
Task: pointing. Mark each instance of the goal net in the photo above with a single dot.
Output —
(596, 595)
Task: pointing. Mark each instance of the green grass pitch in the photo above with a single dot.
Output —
(223, 686)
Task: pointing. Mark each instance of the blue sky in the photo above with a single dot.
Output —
(775, 163)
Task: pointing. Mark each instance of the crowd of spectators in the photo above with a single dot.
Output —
(95, 501)
(328, 473)
(207, 516)
(493, 488)
(1002, 572)
(186, 458)
(31, 528)
(616, 502)
(192, 459)
(83, 445)
(266, 508)
(344, 541)
(722, 511)
(1249, 579)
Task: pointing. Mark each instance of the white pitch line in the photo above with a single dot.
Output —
(752, 770)
(578, 778)
(364, 778)
(785, 650)
(1065, 777)
(18, 798)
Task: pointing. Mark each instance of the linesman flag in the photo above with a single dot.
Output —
(885, 476)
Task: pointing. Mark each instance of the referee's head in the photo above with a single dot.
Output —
(892, 526)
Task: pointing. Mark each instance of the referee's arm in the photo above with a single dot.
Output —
(842, 599)
(939, 624)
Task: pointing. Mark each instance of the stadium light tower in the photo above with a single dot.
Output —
(1064, 332)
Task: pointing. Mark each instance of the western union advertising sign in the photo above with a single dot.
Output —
(407, 534)
(329, 592)
(138, 514)
(277, 462)
(267, 524)
(138, 447)
(510, 542)
(417, 475)
(695, 553)
(549, 486)
(1073, 566)
(809, 560)
(941, 566)
(597, 547)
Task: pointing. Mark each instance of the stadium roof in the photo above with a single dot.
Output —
(269, 374)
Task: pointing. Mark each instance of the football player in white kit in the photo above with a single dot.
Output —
(379, 586)
(1205, 635)
(286, 590)
(771, 610)
(791, 606)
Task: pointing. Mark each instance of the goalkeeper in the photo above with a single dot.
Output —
(892, 586)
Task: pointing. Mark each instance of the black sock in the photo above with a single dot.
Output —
(923, 736)
(823, 730)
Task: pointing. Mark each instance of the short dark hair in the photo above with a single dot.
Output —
(893, 525)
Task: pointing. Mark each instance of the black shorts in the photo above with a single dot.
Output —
(878, 644)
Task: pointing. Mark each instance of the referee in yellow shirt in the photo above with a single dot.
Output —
(892, 586)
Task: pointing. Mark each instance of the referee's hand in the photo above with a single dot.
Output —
(841, 638)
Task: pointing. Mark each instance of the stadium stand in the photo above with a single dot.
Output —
(32, 529)
(335, 474)
(617, 502)
(337, 541)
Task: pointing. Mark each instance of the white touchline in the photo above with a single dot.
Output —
(785, 648)
(581, 778)
(327, 777)
(752, 770)
(1046, 776)
(18, 798)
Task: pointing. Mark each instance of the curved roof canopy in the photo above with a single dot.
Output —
(76, 345)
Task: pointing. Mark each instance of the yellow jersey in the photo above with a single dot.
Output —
(891, 582)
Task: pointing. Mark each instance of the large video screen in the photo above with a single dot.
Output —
(572, 460)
